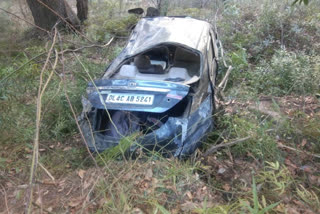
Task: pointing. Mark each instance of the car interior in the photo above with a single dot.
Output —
(165, 63)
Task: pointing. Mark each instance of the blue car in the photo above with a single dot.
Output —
(161, 86)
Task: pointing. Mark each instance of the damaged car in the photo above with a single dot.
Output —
(161, 86)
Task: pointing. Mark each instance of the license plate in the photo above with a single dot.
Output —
(140, 99)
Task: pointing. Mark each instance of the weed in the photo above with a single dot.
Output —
(275, 178)
(309, 197)
(257, 207)
(262, 145)
(117, 151)
(288, 73)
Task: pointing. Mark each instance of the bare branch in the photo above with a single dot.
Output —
(35, 154)
(297, 150)
(223, 82)
(88, 46)
(48, 173)
(216, 147)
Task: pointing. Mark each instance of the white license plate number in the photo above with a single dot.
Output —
(139, 99)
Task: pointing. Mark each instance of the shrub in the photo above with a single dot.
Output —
(120, 27)
(263, 26)
(287, 73)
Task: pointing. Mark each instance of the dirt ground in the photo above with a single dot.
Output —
(219, 180)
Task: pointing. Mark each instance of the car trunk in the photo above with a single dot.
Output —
(135, 107)
(136, 95)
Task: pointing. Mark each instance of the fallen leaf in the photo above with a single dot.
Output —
(314, 180)
(226, 187)
(189, 195)
(149, 174)
(48, 182)
(291, 210)
(289, 163)
(307, 169)
(75, 202)
(221, 170)
(67, 148)
(303, 143)
(81, 173)
(38, 201)
(137, 211)
(188, 206)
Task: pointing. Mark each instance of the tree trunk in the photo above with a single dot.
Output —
(82, 7)
(46, 13)
(163, 6)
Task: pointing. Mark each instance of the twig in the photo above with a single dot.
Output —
(213, 148)
(88, 46)
(51, 74)
(48, 173)
(89, 193)
(64, 82)
(222, 85)
(5, 199)
(223, 82)
(35, 155)
(297, 150)
(47, 211)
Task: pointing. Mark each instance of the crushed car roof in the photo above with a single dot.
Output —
(154, 31)
(151, 32)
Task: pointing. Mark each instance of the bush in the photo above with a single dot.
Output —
(120, 27)
(261, 27)
(261, 144)
(287, 73)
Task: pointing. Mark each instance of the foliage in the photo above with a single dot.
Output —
(257, 208)
(261, 144)
(118, 151)
(309, 197)
(191, 12)
(275, 178)
(306, 2)
(262, 27)
(120, 27)
(105, 23)
(287, 73)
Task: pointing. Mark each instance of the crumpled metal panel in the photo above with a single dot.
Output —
(167, 94)
(178, 136)
(150, 32)
(181, 136)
